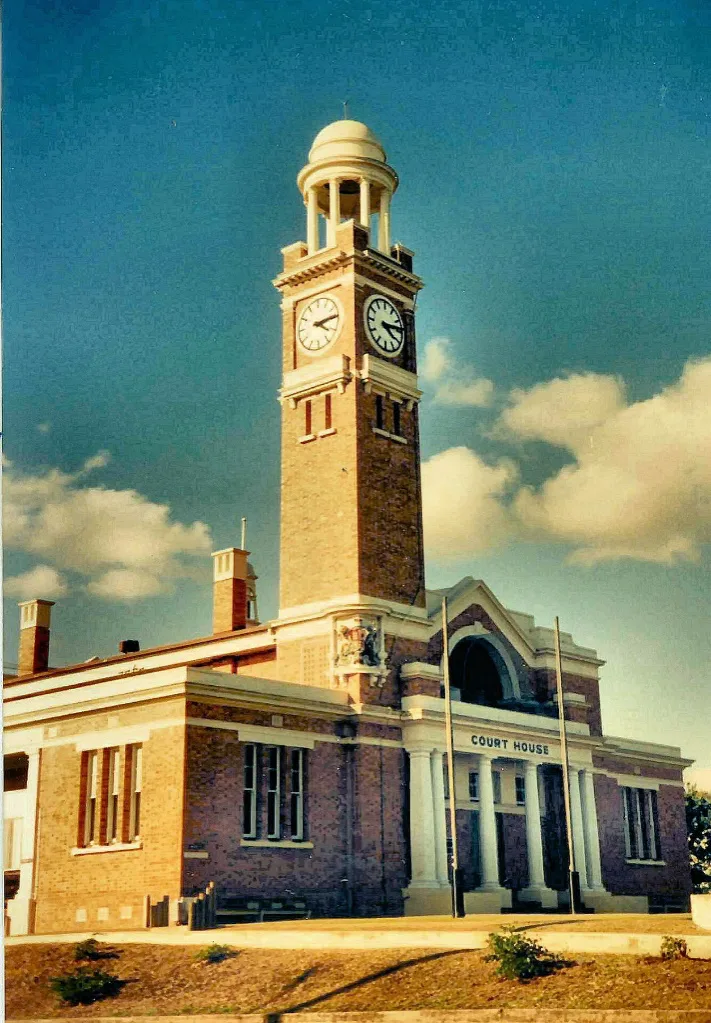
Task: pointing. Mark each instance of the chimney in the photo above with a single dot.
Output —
(129, 646)
(33, 656)
(229, 608)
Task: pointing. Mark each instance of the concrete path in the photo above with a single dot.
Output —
(336, 939)
(436, 1016)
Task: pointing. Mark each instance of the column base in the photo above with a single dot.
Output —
(547, 897)
(427, 901)
(487, 900)
(21, 915)
(604, 902)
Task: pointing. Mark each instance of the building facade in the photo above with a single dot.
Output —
(301, 761)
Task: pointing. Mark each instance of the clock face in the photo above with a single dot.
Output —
(319, 324)
(384, 326)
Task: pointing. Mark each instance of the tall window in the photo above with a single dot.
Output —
(134, 825)
(297, 794)
(520, 790)
(641, 820)
(249, 798)
(396, 418)
(90, 807)
(112, 796)
(307, 418)
(496, 779)
(379, 412)
(273, 792)
(328, 411)
(473, 786)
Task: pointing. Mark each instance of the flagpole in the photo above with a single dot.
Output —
(457, 893)
(573, 876)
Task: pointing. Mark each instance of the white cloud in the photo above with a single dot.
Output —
(123, 544)
(455, 383)
(41, 581)
(640, 484)
(563, 411)
(44, 427)
(462, 508)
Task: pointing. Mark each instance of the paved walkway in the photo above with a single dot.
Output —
(441, 1016)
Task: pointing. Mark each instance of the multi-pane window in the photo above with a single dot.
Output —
(134, 820)
(249, 797)
(273, 792)
(112, 796)
(641, 821)
(473, 785)
(91, 818)
(496, 780)
(520, 790)
(297, 794)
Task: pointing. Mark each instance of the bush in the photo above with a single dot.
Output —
(521, 958)
(85, 986)
(88, 949)
(674, 948)
(214, 953)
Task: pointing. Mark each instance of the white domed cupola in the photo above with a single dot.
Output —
(347, 177)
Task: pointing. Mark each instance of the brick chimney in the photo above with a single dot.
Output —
(33, 656)
(229, 608)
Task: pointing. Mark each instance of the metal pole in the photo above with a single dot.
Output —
(573, 879)
(457, 893)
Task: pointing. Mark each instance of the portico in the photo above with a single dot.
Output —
(503, 766)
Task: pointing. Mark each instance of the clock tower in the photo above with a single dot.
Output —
(351, 509)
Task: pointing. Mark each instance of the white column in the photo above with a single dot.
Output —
(487, 826)
(592, 838)
(312, 221)
(440, 819)
(334, 211)
(576, 814)
(20, 908)
(384, 222)
(422, 839)
(365, 202)
(534, 839)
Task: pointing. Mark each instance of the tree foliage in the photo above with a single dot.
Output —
(698, 825)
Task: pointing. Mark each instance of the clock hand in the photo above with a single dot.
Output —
(393, 329)
(320, 323)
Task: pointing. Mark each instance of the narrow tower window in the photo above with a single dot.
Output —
(396, 419)
(379, 412)
(307, 417)
(328, 411)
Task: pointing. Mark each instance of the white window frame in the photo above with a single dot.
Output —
(273, 772)
(520, 782)
(296, 797)
(113, 822)
(496, 786)
(91, 804)
(134, 819)
(250, 790)
(474, 784)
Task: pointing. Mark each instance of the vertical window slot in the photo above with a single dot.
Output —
(273, 792)
(249, 798)
(134, 826)
(112, 797)
(297, 794)
(379, 412)
(90, 812)
(328, 411)
(307, 418)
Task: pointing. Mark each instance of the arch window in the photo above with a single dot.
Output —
(478, 670)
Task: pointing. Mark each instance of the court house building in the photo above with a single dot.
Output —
(299, 763)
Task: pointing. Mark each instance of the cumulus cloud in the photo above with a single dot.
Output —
(454, 383)
(462, 503)
(640, 483)
(124, 545)
(40, 581)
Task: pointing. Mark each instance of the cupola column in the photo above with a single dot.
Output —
(384, 224)
(365, 202)
(312, 221)
(334, 217)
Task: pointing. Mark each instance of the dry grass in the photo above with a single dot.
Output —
(167, 980)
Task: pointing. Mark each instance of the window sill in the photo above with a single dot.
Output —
(306, 438)
(646, 863)
(390, 436)
(274, 843)
(327, 433)
(88, 850)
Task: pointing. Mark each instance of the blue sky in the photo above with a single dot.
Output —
(554, 163)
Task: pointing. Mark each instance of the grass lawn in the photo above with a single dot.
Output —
(166, 980)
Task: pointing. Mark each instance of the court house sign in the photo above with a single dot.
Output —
(517, 745)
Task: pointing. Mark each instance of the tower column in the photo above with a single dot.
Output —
(422, 848)
(365, 202)
(536, 891)
(384, 225)
(334, 210)
(440, 821)
(312, 221)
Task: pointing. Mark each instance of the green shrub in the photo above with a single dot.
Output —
(519, 957)
(88, 949)
(674, 948)
(214, 953)
(86, 985)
